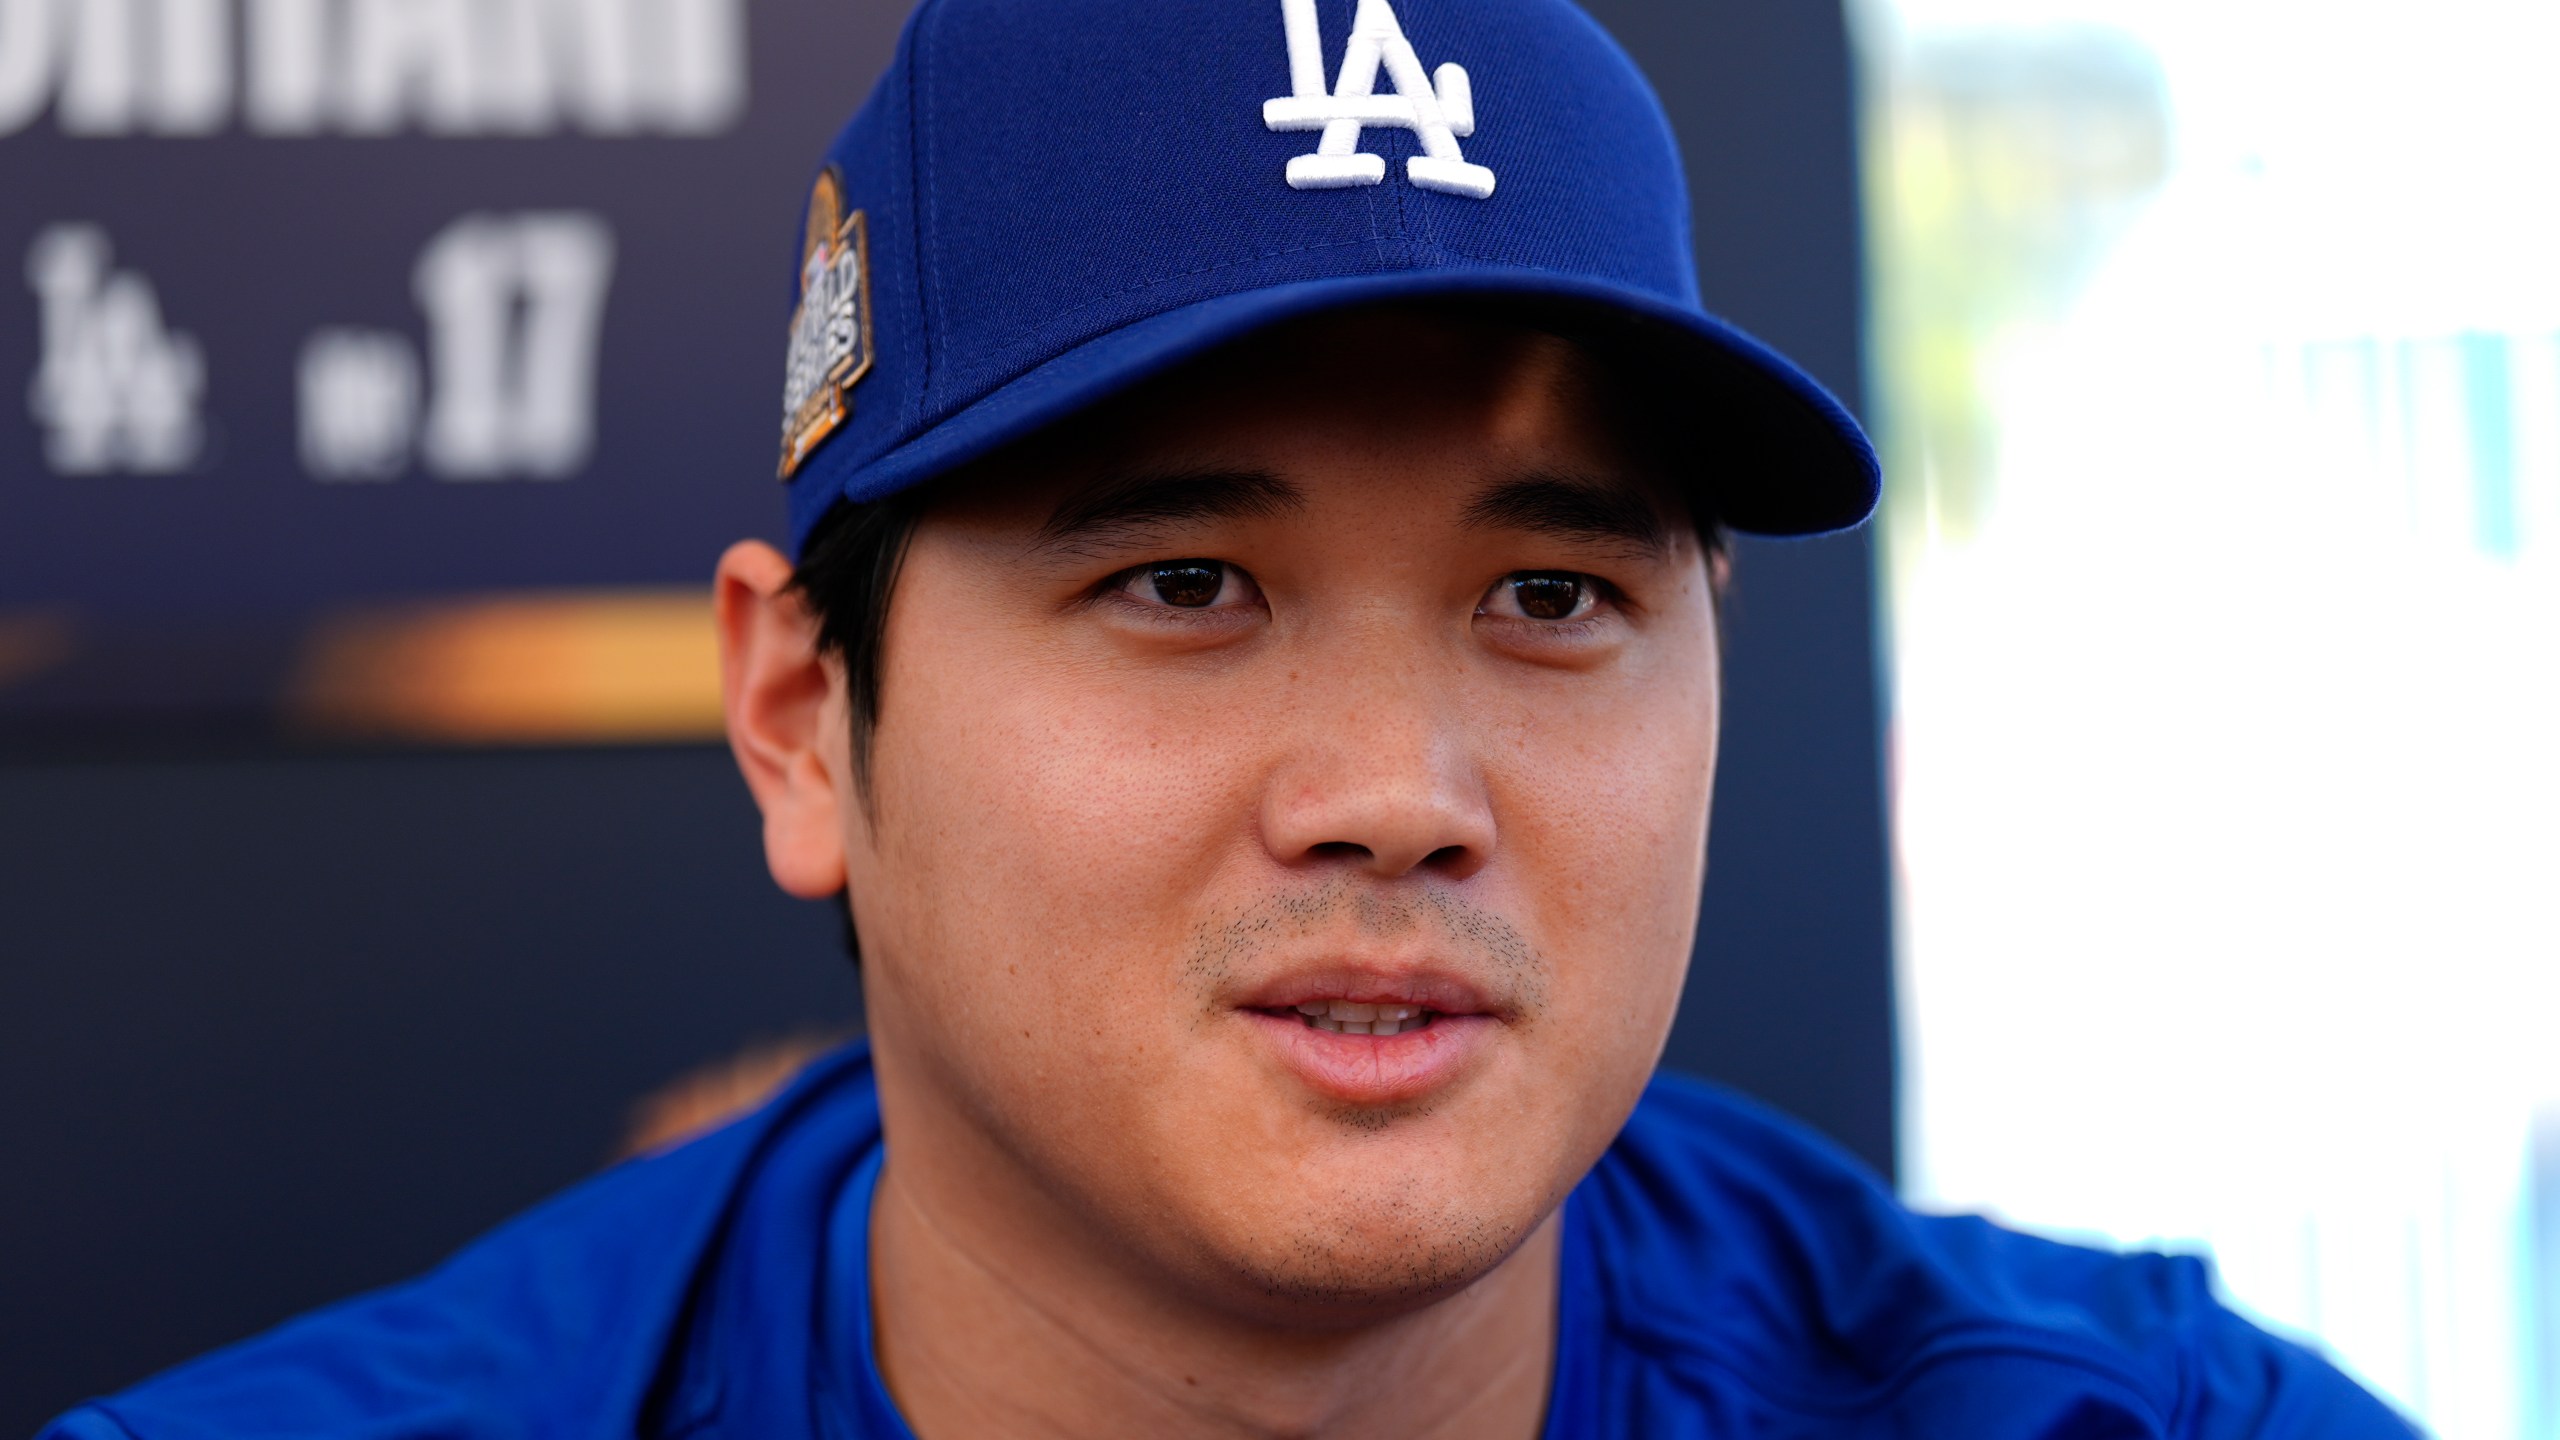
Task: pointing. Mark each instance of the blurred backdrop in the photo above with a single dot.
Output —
(378, 381)
(2218, 363)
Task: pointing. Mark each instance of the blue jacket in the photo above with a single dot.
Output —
(1725, 1274)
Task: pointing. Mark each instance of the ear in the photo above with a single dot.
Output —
(787, 722)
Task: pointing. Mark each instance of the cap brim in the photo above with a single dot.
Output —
(1778, 454)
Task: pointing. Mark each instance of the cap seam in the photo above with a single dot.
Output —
(928, 215)
(928, 426)
(1004, 346)
(1829, 405)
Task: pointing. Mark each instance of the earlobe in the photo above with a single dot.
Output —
(784, 707)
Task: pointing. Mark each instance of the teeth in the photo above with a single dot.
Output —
(1346, 1017)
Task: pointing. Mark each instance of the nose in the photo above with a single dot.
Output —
(1386, 786)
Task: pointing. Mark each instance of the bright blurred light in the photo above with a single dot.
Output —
(2218, 351)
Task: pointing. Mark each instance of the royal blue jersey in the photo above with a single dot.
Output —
(1725, 1274)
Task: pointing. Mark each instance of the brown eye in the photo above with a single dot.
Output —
(1548, 596)
(1189, 584)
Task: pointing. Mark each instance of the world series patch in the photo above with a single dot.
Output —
(831, 331)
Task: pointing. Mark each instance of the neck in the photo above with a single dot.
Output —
(995, 1316)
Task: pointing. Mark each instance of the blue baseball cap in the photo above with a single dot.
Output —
(1045, 202)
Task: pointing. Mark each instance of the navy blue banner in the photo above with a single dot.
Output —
(398, 334)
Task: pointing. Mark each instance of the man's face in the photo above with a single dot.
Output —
(1360, 679)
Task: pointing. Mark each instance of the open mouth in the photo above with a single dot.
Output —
(1372, 1040)
(1349, 1017)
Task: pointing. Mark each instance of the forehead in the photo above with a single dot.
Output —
(1363, 394)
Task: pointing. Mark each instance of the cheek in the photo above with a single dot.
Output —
(1604, 819)
(1045, 838)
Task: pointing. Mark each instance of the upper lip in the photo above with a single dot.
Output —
(1426, 984)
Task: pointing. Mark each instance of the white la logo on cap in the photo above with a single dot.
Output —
(1437, 113)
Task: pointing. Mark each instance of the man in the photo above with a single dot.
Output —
(1251, 669)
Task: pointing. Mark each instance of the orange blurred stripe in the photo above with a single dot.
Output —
(614, 667)
(32, 643)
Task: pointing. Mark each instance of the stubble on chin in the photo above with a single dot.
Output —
(1399, 1253)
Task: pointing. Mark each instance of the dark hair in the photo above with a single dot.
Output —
(845, 574)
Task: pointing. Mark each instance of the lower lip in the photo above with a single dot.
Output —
(1377, 1069)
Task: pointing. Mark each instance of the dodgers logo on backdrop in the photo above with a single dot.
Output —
(115, 388)
(831, 331)
(1439, 108)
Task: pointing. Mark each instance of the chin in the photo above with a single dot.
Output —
(1298, 1207)
(1372, 1229)
(1332, 1273)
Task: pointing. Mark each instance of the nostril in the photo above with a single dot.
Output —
(1446, 857)
(1339, 850)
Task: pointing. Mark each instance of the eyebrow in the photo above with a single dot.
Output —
(1576, 508)
(1130, 508)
